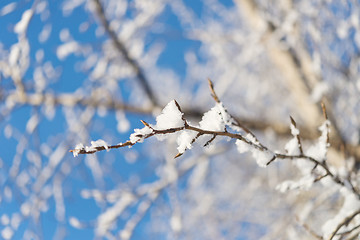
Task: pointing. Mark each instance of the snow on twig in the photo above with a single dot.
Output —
(311, 162)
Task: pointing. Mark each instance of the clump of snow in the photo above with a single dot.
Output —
(184, 140)
(32, 123)
(292, 147)
(224, 114)
(99, 143)
(25, 209)
(319, 150)
(251, 138)
(242, 146)
(77, 149)
(175, 223)
(21, 26)
(170, 117)
(140, 134)
(294, 130)
(66, 49)
(7, 233)
(92, 148)
(262, 157)
(75, 222)
(125, 234)
(212, 120)
(4, 219)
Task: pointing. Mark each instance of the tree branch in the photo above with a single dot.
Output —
(120, 46)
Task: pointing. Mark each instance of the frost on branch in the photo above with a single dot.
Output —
(319, 150)
(185, 140)
(77, 149)
(140, 134)
(293, 147)
(213, 120)
(170, 117)
(311, 163)
(90, 149)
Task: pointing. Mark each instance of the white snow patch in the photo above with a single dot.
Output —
(228, 120)
(32, 123)
(140, 134)
(66, 49)
(7, 233)
(262, 157)
(242, 146)
(92, 148)
(319, 150)
(171, 117)
(22, 25)
(77, 149)
(5, 220)
(212, 120)
(25, 209)
(175, 223)
(125, 234)
(294, 130)
(292, 147)
(251, 138)
(75, 222)
(99, 143)
(184, 140)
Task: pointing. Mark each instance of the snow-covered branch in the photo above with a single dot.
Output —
(215, 123)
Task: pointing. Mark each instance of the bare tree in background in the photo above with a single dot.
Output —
(80, 73)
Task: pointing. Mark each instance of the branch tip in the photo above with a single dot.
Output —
(178, 155)
(271, 160)
(213, 94)
(292, 121)
(177, 105)
(145, 123)
(324, 110)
